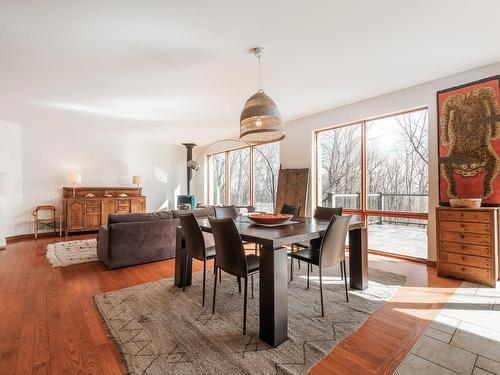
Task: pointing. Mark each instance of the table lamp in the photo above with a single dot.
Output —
(74, 179)
(137, 180)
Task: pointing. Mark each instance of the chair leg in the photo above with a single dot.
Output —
(215, 292)
(220, 275)
(321, 292)
(308, 276)
(251, 279)
(256, 249)
(239, 284)
(245, 307)
(291, 269)
(204, 277)
(341, 271)
(185, 273)
(345, 282)
(311, 266)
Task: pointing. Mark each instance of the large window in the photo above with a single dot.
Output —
(246, 179)
(378, 169)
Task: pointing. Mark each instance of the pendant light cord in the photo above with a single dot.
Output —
(260, 73)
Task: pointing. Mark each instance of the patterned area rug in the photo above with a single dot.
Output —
(161, 330)
(62, 254)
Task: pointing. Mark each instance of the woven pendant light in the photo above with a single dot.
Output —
(260, 120)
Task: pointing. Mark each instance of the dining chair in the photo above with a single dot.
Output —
(195, 247)
(330, 253)
(290, 210)
(231, 258)
(321, 213)
(224, 212)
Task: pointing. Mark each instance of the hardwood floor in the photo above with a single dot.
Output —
(49, 323)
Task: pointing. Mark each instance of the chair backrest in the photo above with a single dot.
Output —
(230, 256)
(326, 213)
(332, 249)
(289, 209)
(225, 212)
(195, 243)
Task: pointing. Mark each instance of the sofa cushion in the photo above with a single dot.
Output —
(135, 217)
(199, 212)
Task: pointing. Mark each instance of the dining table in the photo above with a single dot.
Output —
(273, 273)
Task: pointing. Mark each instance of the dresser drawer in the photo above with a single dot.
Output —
(92, 209)
(122, 209)
(475, 274)
(462, 248)
(464, 226)
(476, 216)
(466, 260)
(123, 202)
(470, 238)
(92, 202)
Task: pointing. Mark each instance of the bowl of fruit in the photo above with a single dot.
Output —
(269, 219)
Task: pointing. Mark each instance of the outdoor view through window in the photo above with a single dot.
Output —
(237, 183)
(395, 167)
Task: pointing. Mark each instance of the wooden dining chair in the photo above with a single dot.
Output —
(290, 210)
(231, 258)
(195, 247)
(330, 253)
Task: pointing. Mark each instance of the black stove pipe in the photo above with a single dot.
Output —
(189, 156)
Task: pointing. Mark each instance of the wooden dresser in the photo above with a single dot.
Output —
(467, 242)
(87, 208)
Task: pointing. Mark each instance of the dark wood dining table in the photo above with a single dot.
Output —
(273, 305)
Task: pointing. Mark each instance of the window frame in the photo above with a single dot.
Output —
(363, 212)
(227, 177)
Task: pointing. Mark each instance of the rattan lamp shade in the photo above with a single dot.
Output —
(260, 120)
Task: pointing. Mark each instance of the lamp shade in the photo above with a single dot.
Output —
(6, 182)
(74, 179)
(137, 180)
(260, 120)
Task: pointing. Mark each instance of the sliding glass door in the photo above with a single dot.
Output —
(378, 169)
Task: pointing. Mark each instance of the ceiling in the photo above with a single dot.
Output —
(172, 71)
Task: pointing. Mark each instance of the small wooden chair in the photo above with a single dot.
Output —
(42, 221)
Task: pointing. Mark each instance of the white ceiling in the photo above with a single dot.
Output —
(175, 71)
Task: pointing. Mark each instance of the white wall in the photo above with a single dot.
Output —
(46, 155)
(297, 152)
(11, 161)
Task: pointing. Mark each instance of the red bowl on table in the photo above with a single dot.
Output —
(269, 219)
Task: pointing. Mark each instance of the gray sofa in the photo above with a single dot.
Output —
(142, 237)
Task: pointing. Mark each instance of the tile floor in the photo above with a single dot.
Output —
(463, 339)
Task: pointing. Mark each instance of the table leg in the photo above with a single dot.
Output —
(358, 259)
(180, 259)
(273, 303)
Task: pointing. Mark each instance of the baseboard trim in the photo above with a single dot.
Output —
(26, 237)
(402, 257)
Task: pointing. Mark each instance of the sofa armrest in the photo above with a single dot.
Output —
(103, 245)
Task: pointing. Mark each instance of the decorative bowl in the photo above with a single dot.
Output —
(269, 219)
(465, 202)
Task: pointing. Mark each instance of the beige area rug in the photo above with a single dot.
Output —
(161, 330)
(62, 254)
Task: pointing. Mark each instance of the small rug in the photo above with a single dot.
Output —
(62, 254)
(161, 330)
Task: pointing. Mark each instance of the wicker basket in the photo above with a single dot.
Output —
(465, 202)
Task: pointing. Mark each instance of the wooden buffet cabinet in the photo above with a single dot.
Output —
(87, 208)
(468, 244)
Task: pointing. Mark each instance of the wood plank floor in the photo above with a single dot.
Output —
(49, 323)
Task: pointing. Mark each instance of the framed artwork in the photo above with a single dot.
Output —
(469, 141)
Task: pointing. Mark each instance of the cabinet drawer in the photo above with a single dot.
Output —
(462, 248)
(467, 260)
(122, 202)
(479, 275)
(122, 209)
(92, 209)
(458, 226)
(454, 215)
(470, 238)
(92, 202)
